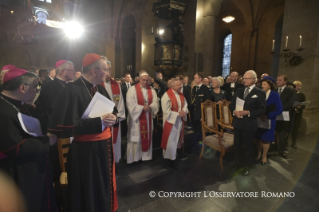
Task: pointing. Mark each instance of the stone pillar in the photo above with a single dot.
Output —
(301, 18)
(139, 53)
(210, 11)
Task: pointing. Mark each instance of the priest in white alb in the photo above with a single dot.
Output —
(174, 107)
(115, 93)
(142, 106)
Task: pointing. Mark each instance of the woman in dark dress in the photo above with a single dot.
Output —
(217, 93)
(274, 108)
(298, 113)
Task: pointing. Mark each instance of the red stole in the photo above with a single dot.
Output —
(167, 126)
(115, 91)
(146, 140)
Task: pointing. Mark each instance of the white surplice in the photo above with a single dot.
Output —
(173, 118)
(121, 116)
(134, 145)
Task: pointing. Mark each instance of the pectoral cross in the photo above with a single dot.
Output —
(144, 131)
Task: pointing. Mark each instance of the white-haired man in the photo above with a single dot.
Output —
(245, 121)
(115, 92)
(51, 90)
(49, 97)
(174, 106)
(142, 106)
(91, 166)
(231, 86)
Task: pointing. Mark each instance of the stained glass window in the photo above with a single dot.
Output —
(227, 55)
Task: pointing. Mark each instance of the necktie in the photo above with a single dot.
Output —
(246, 92)
(197, 88)
(280, 90)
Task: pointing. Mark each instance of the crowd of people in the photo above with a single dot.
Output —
(148, 112)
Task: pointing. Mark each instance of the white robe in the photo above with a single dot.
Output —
(134, 145)
(121, 116)
(174, 119)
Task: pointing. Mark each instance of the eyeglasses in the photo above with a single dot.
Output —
(35, 86)
(103, 69)
(70, 70)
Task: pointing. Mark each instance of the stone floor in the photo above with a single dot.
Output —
(296, 176)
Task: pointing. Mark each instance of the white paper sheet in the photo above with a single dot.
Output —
(263, 124)
(99, 105)
(30, 125)
(283, 117)
(300, 103)
(239, 104)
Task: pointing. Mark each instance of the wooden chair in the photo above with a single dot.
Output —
(63, 148)
(219, 141)
(225, 116)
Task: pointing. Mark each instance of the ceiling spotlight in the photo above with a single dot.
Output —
(161, 31)
(73, 29)
(228, 19)
(12, 11)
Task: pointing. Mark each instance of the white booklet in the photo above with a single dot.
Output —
(239, 104)
(283, 117)
(30, 125)
(99, 106)
(296, 103)
(264, 124)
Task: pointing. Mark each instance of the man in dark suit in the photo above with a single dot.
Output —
(200, 93)
(185, 90)
(125, 86)
(50, 76)
(287, 99)
(232, 86)
(185, 83)
(245, 121)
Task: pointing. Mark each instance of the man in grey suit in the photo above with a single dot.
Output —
(245, 122)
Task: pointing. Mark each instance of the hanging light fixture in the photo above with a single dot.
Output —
(228, 19)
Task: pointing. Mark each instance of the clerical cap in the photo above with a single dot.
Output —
(60, 63)
(13, 73)
(268, 78)
(7, 67)
(90, 58)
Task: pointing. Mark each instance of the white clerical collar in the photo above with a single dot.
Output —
(51, 78)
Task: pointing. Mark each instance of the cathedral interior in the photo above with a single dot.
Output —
(213, 37)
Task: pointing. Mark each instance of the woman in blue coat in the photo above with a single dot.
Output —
(274, 108)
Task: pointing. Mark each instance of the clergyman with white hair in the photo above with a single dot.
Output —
(245, 121)
(142, 106)
(174, 106)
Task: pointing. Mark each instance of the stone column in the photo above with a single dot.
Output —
(210, 11)
(301, 18)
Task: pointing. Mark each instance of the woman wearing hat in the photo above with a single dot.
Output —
(274, 108)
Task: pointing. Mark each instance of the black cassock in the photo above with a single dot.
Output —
(48, 98)
(26, 158)
(90, 164)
